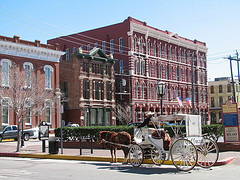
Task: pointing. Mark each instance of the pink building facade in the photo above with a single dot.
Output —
(147, 55)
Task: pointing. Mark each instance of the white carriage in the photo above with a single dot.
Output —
(185, 151)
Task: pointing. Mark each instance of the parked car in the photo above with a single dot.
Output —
(10, 132)
(35, 133)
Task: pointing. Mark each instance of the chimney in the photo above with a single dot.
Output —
(37, 43)
(16, 39)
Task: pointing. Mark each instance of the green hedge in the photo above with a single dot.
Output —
(72, 133)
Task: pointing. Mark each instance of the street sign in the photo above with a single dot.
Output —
(230, 122)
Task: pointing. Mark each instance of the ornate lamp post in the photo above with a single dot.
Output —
(161, 92)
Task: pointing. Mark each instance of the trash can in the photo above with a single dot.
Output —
(53, 145)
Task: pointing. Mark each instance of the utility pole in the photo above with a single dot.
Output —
(193, 91)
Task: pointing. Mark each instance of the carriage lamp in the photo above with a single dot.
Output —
(161, 91)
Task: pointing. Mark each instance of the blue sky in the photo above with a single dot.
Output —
(215, 22)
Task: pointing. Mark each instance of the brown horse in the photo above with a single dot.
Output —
(115, 140)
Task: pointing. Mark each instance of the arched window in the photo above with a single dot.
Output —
(48, 111)
(220, 88)
(136, 90)
(229, 89)
(28, 67)
(48, 70)
(212, 89)
(6, 64)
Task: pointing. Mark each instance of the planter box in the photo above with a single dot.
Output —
(228, 146)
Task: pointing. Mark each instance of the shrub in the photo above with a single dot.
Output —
(72, 133)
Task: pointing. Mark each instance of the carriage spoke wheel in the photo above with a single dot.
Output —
(184, 155)
(136, 155)
(157, 157)
(207, 153)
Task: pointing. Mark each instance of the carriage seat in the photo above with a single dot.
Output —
(160, 134)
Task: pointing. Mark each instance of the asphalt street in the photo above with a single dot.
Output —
(27, 168)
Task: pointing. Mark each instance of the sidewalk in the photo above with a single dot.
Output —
(33, 149)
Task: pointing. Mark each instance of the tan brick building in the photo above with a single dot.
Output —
(219, 92)
(88, 80)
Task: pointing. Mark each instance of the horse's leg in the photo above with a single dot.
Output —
(111, 149)
(125, 150)
(115, 154)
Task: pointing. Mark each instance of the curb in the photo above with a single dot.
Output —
(94, 158)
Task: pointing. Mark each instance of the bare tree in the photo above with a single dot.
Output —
(123, 113)
(24, 92)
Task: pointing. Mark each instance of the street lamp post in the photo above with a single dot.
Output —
(161, 92)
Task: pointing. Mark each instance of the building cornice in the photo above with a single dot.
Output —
(166, 37)
(22, 50)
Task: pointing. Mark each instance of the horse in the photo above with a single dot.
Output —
(115, 140)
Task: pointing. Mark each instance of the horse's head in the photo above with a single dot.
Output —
(101, 136)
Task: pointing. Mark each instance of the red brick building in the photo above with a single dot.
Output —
(87, 79)
(29, 58)
(147, 55)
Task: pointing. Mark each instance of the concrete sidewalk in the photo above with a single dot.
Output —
(33, 149)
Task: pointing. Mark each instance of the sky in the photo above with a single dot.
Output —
(215, 22)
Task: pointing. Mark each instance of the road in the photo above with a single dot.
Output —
(27, 168)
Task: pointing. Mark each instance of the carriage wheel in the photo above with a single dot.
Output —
(207, 153)
(136, 155)
(184, 155)
(157, 157)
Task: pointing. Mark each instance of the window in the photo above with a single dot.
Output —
(108, 70)
(101, 89)
(85, 67)
(155, 69)
(165, 51)
(180, 75)
(135, 67)
(28, 112)
(112, 46)
(150, 92)
(149, 48)
(184, 56)
(149, 69)
(88, 47)
(141, 46)
(176, 75)
(104, 47)
(171, 94)
(121, 45)
(136, 90)
(121, 67)
(27, 68)
(142, 91)
(166, 92)
(175, 54)
(48, 69)
(48, 112)
(135, 44)
(108, 90)
(160, 51)
(5, 111)
(85, 89)
(5, 71)
(166, 72)
(142, 68)
(212, 102)
(96, 45)
(160, 67)
(74, 49)
(229, 89)
(171, 73)
(67, 54)
(212, 89)
(180, 55)
(96, 90)
(170, 53)
(220, 88)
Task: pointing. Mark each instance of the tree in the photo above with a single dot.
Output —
(123, 113)
(23, 90)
